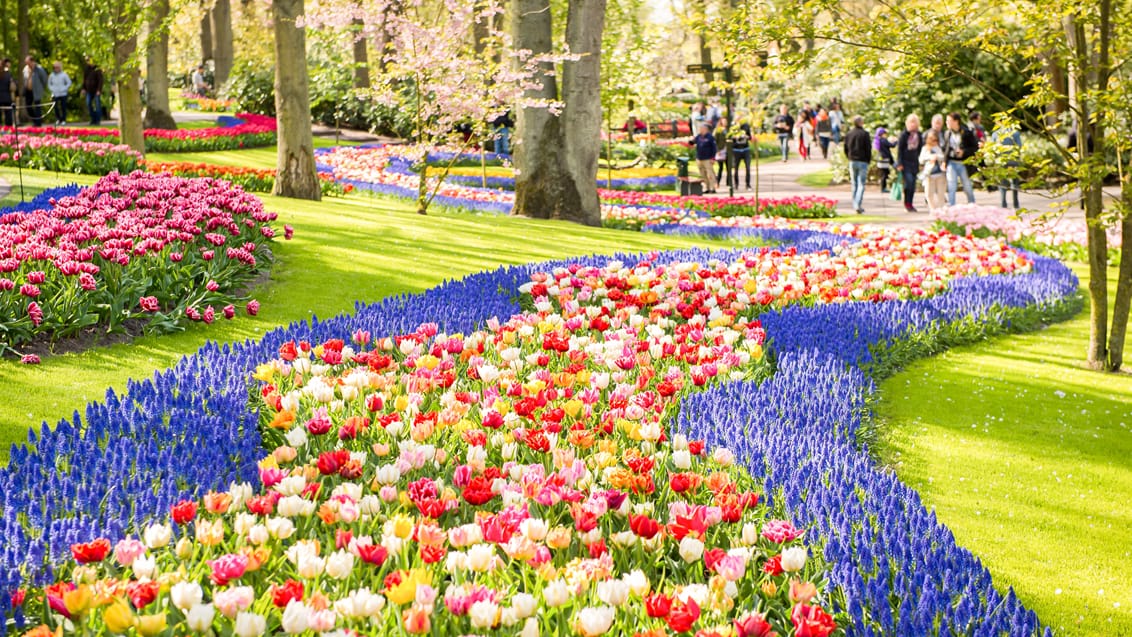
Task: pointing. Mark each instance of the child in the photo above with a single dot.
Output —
(883, 145)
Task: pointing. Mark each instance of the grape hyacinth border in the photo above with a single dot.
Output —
(189, 429)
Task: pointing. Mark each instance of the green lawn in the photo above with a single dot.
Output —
(1027, 458)
(817, 179)
(356, 248)
(265, 157)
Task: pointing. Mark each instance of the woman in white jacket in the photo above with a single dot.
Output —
(934, 171)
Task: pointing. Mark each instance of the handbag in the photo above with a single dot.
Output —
(898, 190)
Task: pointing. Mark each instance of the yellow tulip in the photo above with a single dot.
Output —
(264, 372)
(118, 617)
(402, 526)
(149, 625)
(78, 600)
(406, 591)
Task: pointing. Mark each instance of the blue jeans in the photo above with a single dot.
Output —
(503, 141)
(858, 173)
(94, 107)
(784, 145)
(60, 109)
(910, 179)
(956, 172)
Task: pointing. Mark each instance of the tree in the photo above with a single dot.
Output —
(557, 157)
(432, 70)
(157, 111)
(205, 32)
(361, 57)
(1083, 36)
(296, 175)
(222, 51)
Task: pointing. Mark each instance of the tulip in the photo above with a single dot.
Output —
(200, 617)
(250, 625)
(591, 621)
(186, 595)
(118, 617)
(149, 625)
(793, 559)
(691, 549)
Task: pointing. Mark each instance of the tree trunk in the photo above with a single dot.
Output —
(361, 57)
(205, 32)
(381, 40)
(581, 119)
(23, 34)
(157, 112)
(222, 54)
(128, 76)
(1078, 70)
(5, 31)
(295, 170)
(1123, 299)
(538, 139)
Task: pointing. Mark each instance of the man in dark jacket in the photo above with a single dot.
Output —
(859, 150)
(705, 157)
(959, 145)
(92, 89)
(908, 158)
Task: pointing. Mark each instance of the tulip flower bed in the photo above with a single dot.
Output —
(67, 154)
(477, 410)
(389, 171)
(1062, 237)
(251, 131)
(250, 179)
(137, 246)
(633, 179)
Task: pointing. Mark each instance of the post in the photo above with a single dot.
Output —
(732, 178)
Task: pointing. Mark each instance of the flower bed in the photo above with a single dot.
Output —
(250, 179)
(135, 246)
(900, 571)
(67, 154)
(251, 131)
(388, 170)
(633, 179)
(1063, 237)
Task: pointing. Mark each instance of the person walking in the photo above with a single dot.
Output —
(1011, 140)
(92, 90)
(805, 134)
(908, 158)
(934, 162)
(883, 145)
(836, 121)
(35, 87)
(696, 118)
(722, 166)
(959, 145)
(741, 152)
(825, 132)
(7, 93)
(59, 83)
(859, 150)
(705, 156)
(784, 126)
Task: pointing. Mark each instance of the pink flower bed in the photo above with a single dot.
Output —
(67, 154)
(131, 246)
(1027, 228)
(255, 130)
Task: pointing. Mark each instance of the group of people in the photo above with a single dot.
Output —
(712, 158)
(33, 84)
(815, 124)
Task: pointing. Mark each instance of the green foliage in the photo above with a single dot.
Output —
(252, 85)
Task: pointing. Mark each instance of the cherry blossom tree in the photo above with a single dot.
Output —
(431, 69)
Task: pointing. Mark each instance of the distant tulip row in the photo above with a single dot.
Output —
(248, 130)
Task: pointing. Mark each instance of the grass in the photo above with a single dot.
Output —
(1027, 458)
(265, 157)
(817, 179)
(357, 248)
(35, 182)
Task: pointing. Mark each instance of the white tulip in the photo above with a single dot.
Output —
(291, 485)
(556, 593)
(186, 595)
(483, 614)
(592, 621)
(524, 604)
(280, 528)
(480, 557)
(296, 617)
(297, 437)
(638, 583)
(691, 549)
(530, 628)
(682, 459)
(258, 534)
(340, 564)
(250, 625)
(613, 592)
(145, 566)
(157, 535)
(793, 559)
(200, 617)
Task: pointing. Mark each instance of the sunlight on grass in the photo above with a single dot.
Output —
(818, 179)
(1027, 458)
